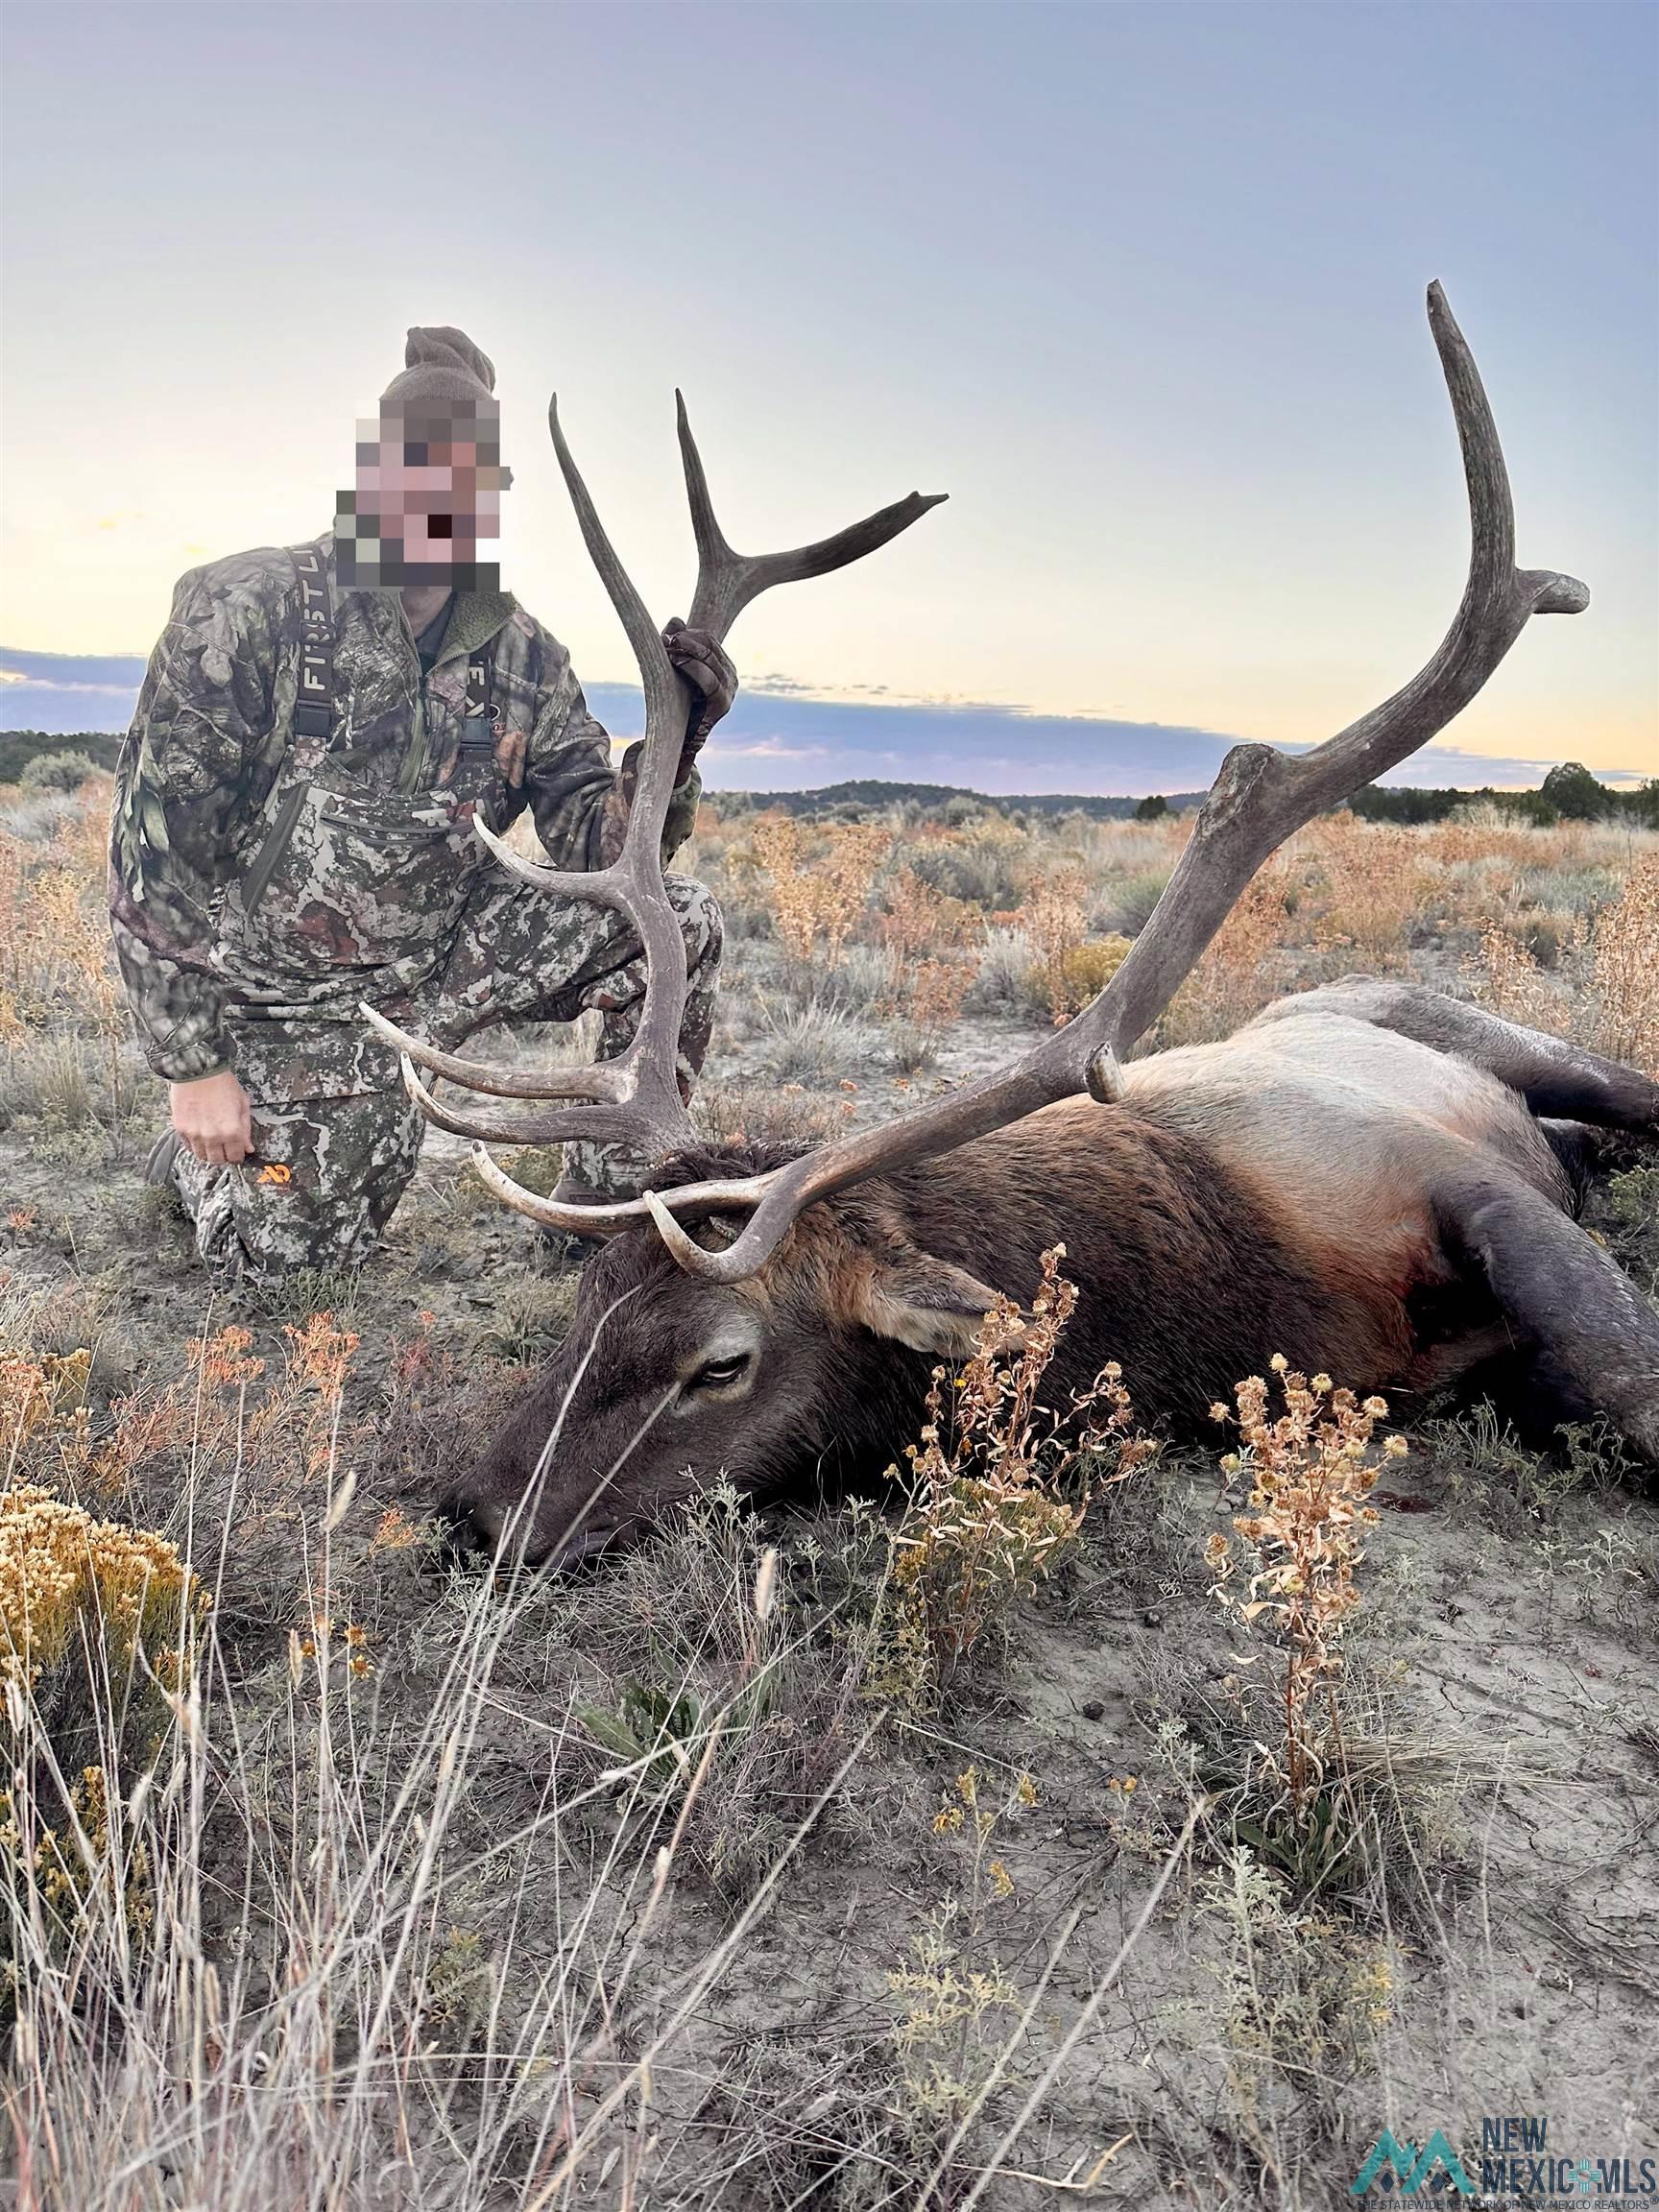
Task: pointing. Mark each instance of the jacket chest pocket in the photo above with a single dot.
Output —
(351, 877)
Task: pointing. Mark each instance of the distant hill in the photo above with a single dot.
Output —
(1567, 790)
(864, 792)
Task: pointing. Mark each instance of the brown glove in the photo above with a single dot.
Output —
(706, 667)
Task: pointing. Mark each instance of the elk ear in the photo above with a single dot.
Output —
(924, 1303)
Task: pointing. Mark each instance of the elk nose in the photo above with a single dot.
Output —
(474, 1525)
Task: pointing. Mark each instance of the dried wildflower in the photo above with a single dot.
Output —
(1311, 1471)
(62, 1571)
(987, 1515)
(224, 1359)
(393, 1532)
(320, 1354)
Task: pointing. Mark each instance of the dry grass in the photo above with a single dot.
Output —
(290, 1941)
(1602, 986)
(712, 1882)
(906, 926)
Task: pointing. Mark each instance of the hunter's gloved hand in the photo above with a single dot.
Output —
(706, 667)
(214, 1116)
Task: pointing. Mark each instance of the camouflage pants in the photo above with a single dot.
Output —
(328, 1170)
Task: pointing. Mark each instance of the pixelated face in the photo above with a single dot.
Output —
(428, 493)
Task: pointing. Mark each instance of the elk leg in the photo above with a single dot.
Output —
(1586, 1318)
(1560, 1080)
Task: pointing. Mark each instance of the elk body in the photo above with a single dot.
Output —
(1316, 1184)
(1368, 1178)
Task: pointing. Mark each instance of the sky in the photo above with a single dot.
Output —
(1140, 286)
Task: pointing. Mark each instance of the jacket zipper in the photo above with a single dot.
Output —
(414, 773)
(274, 845)
(414, 770)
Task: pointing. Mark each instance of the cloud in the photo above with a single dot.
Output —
(781, 736)
(767, 749)
(15, 676)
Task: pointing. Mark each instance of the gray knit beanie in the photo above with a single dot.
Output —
(441, 364)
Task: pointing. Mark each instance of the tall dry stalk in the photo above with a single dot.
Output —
(311, 2033)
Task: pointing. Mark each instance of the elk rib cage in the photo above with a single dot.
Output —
(1260, 798)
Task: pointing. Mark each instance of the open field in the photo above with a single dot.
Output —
(738, 1874)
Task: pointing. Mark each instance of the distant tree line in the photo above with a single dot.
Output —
(1569, 793)
(19, 747)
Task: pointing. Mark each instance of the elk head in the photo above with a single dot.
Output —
(802, 1372)
(687, 1322)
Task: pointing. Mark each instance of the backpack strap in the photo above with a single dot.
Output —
(314, 700)
(478, 731)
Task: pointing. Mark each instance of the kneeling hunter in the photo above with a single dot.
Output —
(291, 834)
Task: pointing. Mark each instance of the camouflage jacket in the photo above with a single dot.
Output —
(211, 731)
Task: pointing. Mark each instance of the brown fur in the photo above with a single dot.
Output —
(1185, 1277)
(1295, 1189)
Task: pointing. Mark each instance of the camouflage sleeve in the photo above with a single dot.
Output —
(195, 760)
(579, 799)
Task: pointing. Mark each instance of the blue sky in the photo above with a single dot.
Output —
(1141, 286)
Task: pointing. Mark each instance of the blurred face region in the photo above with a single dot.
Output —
(428, 493)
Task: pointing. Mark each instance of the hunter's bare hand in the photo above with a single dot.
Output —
(215, 1118)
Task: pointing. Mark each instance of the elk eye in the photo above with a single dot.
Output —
(719, 1372)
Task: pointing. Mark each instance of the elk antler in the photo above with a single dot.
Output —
(634, 1097)
(1257, 800)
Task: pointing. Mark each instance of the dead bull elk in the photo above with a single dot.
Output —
(1365, 1178)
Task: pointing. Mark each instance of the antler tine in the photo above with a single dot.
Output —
(607, 1220)
(592, 1120)
(727, 580)
(1259, 799)
(598, 884)
(606, 1081)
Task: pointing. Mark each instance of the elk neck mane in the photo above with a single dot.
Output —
(1187, 1275)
